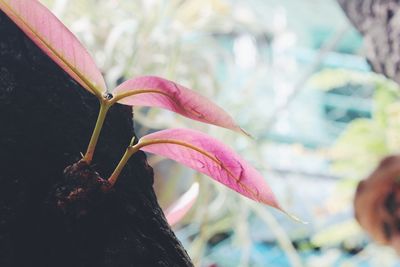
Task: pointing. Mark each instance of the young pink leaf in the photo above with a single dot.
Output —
(179, 208)
(50, 35)
(209, 156)
(157, 92)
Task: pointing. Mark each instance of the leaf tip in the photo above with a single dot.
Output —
(243, 131)
(290, 215)
(294, 217)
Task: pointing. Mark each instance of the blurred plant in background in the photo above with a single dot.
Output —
(365, 141)
(359, 149)
(294, 80)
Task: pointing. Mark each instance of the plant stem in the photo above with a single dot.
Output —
(132, 149)
(128, 153)
(104, 106)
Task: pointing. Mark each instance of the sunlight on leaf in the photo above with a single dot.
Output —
(359, 148)
(50, 35)
(157, 92)
(209, 156)
(335, 234)
(335, 78)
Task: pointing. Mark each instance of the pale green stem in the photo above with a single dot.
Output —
(128, 153)
(132, 149)
(104, 106)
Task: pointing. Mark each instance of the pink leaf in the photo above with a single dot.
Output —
(209, 156)
(157, 92)
(50, 35)
(179, 208)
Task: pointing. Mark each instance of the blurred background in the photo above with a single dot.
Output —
(293, 74)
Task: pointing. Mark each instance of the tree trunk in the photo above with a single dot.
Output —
(379, 23)
(52, 217)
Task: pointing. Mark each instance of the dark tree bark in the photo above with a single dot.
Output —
(379, 23)
(46, 120)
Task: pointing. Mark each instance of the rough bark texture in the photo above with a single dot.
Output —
(379, 23)
(46, 120)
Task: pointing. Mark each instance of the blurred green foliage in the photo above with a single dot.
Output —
(364, 141)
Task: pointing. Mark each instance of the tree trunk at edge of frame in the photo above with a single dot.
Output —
(379, 22)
